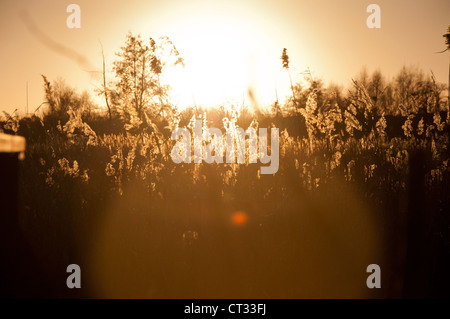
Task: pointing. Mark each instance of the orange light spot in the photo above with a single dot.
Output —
(239, 218)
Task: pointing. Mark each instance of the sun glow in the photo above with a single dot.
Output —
(225, 57)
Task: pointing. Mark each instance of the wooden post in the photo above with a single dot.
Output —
(10, 147)
(417, 279)
(20, 275)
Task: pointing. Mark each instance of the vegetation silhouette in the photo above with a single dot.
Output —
(363, 179)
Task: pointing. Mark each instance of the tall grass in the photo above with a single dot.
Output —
(141, 226)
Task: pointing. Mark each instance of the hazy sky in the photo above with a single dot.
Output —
(227, 45)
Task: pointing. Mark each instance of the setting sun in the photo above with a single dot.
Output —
(225, 56)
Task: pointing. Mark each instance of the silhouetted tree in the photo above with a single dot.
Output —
(376, 87)
(138, 95)
(61, 98)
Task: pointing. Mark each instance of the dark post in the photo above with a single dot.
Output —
(417, 280)
(19, 275)
(10, 147)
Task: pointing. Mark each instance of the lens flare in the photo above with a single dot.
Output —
(239, 218)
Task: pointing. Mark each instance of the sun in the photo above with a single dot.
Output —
(225, 57)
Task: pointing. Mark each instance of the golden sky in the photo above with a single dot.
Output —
(228, 46)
